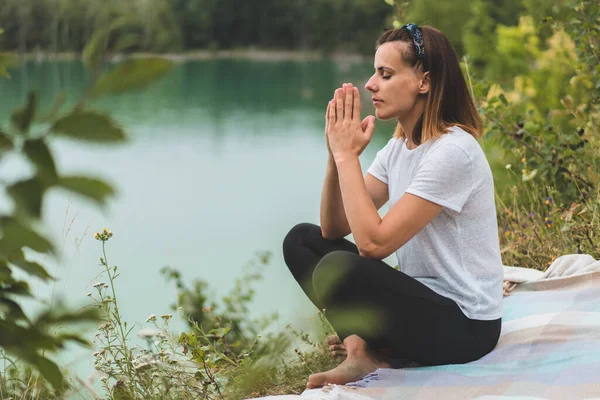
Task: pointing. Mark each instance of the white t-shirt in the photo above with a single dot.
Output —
(458, 253)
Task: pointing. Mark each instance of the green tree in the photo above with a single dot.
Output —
(479, 32)
(175, 25)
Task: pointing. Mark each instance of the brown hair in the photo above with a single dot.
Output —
(449, 102)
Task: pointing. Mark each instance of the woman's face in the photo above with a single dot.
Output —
(395, 85)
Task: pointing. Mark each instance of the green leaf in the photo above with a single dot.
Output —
(5, 273)
(38, 152)
(130, 75)
(89, 125)
(32, 268)
(50, 371)
(21, 118)
(503, 99)
(24, 341)
(18, 288)
(74, 338)
(93, 53)
(127, 41)
(15, 235)
(51, 114)
(27, 195)
(6, 142)
(88, 314)
(94, 189)
(222, 331)
(11, 309)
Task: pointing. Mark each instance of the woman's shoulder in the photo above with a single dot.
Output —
(391, 147)
(458, 139)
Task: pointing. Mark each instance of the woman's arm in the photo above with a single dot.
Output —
(376, 237)
(334, 223)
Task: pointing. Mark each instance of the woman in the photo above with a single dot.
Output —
(444, 304)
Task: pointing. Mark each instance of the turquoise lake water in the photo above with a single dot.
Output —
(224, 157)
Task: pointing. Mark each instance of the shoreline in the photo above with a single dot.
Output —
(195, 55)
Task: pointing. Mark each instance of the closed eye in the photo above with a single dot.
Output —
(382, 72)
(383, 75)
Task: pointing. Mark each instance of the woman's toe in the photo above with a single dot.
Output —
(333, 339)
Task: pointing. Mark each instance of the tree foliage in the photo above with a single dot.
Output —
(176, 25)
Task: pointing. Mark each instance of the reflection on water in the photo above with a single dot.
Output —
(208, 93)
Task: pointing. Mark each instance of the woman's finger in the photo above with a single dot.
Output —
(343, 89)
(331, 114)
(356, 111)
(339, 105)
(365, 123)
(327, 117)
(349, 93)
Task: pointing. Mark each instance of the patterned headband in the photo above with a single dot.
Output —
(417, 37)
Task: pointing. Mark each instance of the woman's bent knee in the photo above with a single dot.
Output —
(335, 260)
(333, 269)
(296, 238)
(303, 229)
(296, 235)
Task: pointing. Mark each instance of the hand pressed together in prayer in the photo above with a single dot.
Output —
(346, 135)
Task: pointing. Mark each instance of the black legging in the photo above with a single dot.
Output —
(387, 308)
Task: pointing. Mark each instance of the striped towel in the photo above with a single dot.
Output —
(549, 347)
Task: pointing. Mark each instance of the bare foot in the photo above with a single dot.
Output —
(353, 368)
(336, 347)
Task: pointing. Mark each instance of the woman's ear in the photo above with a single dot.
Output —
(424, 86)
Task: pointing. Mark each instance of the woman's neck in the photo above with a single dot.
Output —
(408, 123)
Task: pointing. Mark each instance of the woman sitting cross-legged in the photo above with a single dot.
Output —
(444, 304)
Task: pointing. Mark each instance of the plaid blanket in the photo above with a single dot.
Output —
(549, 346)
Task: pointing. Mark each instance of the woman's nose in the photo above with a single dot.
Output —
(370, 86)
